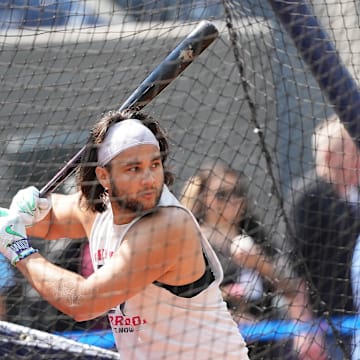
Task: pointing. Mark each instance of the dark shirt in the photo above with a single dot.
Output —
(323, 229)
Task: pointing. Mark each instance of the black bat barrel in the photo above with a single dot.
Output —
(173, 65)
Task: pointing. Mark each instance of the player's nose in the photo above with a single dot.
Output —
(148, 177)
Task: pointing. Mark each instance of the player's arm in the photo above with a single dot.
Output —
(156, 248)
(66, 219)
(51, 217)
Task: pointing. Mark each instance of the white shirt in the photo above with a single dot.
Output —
(156, 324)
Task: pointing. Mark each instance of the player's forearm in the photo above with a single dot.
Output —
(65, 290)
(63, 220)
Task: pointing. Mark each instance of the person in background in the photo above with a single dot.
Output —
(324, 224)
(218, 197)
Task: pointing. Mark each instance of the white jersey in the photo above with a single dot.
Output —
(156, 324)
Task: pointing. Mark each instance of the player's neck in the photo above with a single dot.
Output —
(123, 216)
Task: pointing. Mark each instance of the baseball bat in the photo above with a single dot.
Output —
(167, 71)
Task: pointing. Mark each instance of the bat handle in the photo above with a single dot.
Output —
(62, 174)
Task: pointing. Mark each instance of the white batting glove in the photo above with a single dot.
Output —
(30, 206)
(13, 240)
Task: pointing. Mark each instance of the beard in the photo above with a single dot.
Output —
(132, 205)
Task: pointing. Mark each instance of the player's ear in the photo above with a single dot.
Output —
(103, 177)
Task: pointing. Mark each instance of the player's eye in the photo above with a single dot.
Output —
(156, 164)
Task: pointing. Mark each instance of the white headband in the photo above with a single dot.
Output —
(122, 136)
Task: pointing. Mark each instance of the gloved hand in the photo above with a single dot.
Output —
(13, 241)
(30, 206)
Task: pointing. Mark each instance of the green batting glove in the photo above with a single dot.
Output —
(30, 206)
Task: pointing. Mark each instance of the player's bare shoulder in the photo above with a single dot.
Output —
(171, 224)
(171, 216)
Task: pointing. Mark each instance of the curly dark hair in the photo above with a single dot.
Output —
(93, 194)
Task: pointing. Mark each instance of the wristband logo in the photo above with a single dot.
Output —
(19, 246)
(10, 231)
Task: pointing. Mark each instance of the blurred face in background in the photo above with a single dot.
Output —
(224, 200)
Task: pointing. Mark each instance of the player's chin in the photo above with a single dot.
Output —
(148, 202)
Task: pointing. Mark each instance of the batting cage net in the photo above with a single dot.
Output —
(277, 204)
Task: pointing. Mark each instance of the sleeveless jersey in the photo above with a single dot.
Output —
(156, 324)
